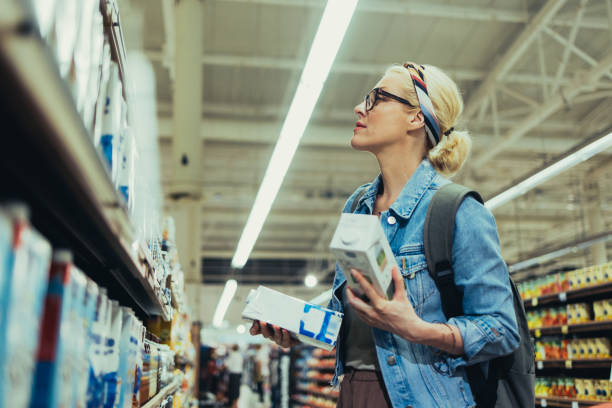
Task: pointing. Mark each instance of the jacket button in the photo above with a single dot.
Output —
(391, 220)
(391, 360)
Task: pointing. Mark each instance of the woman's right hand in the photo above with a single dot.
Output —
(280, 336)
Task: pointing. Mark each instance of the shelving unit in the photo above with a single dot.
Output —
(564, 402)
(162, 394)
(570, 295)
(594, 326)
(310, 360)
(54, 166)
(577, 364)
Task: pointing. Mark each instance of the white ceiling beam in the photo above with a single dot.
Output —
(210, 126)
(266, 132)
(581, 83)
(570, 46)
(428, 9)
(511, 56)
(459, 74)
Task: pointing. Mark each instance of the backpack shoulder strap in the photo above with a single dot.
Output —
(438, 242)
(360, 194)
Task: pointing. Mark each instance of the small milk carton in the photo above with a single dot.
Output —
(360, 242)
(309, 323)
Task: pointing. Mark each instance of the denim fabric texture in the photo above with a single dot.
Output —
(417, 375)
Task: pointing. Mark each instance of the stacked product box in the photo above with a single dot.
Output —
(57, 352)
(24, 261)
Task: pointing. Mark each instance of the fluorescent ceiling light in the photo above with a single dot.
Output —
(553, 170)
(571, 247)
(241, 329)
(336, 18)
(226, 298)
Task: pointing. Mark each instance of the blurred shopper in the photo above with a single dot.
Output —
(403, 352)
(234, 364)
(261, 371)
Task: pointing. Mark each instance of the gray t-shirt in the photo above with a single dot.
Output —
(357, 341)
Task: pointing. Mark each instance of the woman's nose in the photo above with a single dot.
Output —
(359, 109)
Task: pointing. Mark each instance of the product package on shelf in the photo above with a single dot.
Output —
(581, 389)
(25, 262)
(56, 345)
(360, 242)
(310, 323)
(111, 381)
(126, 350)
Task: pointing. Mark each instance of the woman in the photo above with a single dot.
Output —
(403, 352)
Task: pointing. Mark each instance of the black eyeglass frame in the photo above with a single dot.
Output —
(380, 91)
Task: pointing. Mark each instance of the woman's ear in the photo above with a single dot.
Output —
(416, 120)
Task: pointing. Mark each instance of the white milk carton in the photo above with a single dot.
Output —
(309, 323)
(360, 243)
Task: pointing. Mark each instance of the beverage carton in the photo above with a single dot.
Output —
(360, 243)
(309, 323)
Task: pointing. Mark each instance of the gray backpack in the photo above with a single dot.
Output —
(511, 379)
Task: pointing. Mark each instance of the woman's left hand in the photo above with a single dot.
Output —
(396, 315)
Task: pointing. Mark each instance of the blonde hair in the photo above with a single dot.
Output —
(451, 152)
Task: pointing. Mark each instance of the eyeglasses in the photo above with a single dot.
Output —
(375, 95)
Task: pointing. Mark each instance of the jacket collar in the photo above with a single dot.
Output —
(411, 194)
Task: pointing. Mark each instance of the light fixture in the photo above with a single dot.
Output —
(310, 281)
(226, 298)
(574, 157)
(241, 329)
(336, 18)
(565, 249)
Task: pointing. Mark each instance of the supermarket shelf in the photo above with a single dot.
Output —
(565, 402)
(160, 396)
(55, 168)
(320, 381)
(304, 391)
(579, 364)
(573, 328)
(576, 294)
(321, 368)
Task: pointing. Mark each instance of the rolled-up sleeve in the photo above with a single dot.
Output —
(488, 325)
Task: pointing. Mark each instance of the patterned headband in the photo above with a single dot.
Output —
(431, 122)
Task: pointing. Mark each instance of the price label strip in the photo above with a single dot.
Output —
(540, 365)
(538, 333)
(564, 329)
(534, 302)
(568, 364)
(563, 297)
(543, 403)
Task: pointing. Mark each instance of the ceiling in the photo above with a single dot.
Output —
(536, 79)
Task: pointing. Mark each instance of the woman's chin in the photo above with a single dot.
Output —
(358, 144)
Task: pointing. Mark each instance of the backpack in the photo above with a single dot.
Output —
(511, 378)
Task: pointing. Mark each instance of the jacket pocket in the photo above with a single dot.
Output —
(413, 266)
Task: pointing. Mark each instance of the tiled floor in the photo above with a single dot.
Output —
(250, 399)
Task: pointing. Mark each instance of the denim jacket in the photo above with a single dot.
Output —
(417, 375)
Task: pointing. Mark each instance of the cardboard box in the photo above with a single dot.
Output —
(309, 323)
(360, 242)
